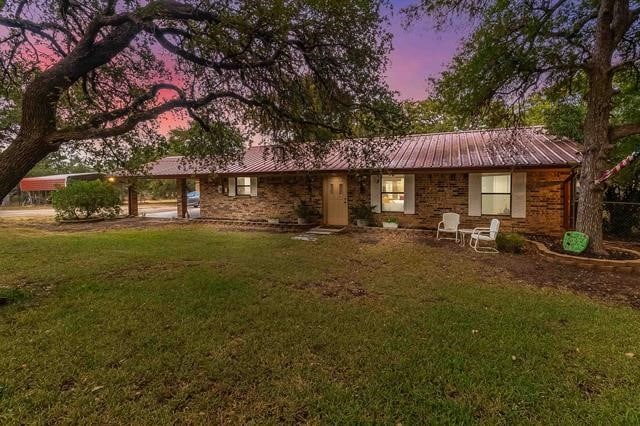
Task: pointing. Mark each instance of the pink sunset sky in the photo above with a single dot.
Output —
(419, 52)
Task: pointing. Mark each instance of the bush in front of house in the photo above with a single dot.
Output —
(86, 200)
(363, 211)
(510, 242)
(306, 211)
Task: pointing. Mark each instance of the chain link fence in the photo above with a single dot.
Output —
(622, 219)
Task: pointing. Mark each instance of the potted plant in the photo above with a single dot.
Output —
(363, 213)
(390, 222)
(305, 212)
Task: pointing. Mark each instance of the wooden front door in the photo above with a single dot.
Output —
(336, 210)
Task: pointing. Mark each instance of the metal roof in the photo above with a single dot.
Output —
(478, 149)
(53, 182)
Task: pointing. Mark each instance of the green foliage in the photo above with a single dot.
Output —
(428, 116)
(563, 117)
(363, 211)
(213, 146)
(390, 219)
(60, 163)
(86, 199)
(510, 242)
(305, 210)
(433, 115)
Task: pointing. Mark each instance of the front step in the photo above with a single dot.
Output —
(310, 235)
(325, 231)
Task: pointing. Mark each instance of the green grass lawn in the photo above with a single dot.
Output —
(195, 325)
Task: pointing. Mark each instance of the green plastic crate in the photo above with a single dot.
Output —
(575, 242)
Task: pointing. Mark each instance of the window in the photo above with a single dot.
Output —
(243, 186)
(392, 194)
(496, 194)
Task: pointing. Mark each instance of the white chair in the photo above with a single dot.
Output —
(485, 234)
(449, 225)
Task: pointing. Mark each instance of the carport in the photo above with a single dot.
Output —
(165, 168)
(38, 189)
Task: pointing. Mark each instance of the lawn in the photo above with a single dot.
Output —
(194, 325)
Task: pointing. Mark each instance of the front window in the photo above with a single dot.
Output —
(392, 193)
(496, 195)
(243, 186)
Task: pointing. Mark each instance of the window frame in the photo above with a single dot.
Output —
(383, 192)
(243, 186)
(510, 194)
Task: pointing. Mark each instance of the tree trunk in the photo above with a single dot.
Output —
(18, 159)
(590, 208)
(596, 145)
(38, 120)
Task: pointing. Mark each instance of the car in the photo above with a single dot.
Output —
(193, 199)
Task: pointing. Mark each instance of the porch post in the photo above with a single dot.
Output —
(182, 197)
(132, 201)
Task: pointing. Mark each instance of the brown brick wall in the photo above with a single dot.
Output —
(436, 193)
(277, 198)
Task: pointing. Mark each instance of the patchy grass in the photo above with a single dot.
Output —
(192, 325)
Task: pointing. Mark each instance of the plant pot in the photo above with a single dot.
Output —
(390, 225)
(361, 223)
(273, 221)
(303, 221)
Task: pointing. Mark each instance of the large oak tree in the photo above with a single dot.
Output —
(297, 73)
(521, 48)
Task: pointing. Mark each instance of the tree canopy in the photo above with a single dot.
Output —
(294, 72)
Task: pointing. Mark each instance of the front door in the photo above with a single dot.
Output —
(336, 211)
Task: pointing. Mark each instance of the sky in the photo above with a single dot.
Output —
(418, 53)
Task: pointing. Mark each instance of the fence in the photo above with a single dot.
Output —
(622, 218)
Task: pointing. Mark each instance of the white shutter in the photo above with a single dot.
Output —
(475, 194)
(519, 195)
(254, 186)
(232, 187)
(409, 194)
(375, 193)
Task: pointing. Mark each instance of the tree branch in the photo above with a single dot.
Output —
(624, 130)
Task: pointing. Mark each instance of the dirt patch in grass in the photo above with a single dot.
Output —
(336, 288)
(531, 268)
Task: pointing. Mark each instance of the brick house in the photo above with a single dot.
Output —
(522, 177)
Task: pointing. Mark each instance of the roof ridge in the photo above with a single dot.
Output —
(413, 135)
(492, 129)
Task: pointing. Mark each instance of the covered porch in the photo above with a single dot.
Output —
(187, 183)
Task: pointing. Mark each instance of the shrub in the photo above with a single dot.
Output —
(85, 200)
(305, 211)
(363, 211)
(390, 219)
(510, 242)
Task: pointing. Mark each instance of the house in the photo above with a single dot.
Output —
(523, 177)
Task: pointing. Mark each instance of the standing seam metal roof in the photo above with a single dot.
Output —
(494, 148)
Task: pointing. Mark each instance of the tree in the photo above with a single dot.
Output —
(432, 115)
(523, 47)
(292, 71)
